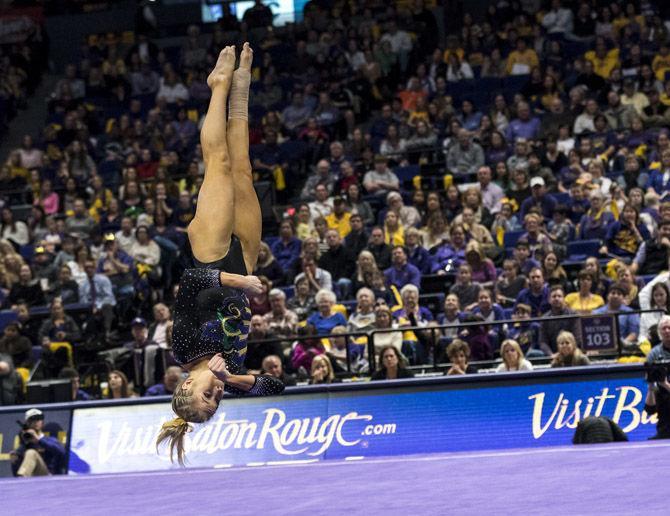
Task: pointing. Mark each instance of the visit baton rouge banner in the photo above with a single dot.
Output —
(335, 425)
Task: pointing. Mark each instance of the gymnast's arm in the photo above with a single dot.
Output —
(194, 280)
(241, 384)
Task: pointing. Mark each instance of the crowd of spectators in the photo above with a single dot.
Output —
(399, 158)
(23, 60)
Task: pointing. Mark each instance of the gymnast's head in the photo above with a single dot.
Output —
(195, 400)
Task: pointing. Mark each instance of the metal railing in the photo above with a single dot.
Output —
(437, 331)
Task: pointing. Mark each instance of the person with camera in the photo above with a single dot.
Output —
(38, 454)
(658, 372)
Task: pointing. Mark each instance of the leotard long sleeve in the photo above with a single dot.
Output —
(211, 318)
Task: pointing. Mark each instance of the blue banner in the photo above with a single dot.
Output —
(350, 425)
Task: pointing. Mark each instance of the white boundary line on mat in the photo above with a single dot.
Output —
(348, 462)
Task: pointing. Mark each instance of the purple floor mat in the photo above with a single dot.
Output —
(603, 479)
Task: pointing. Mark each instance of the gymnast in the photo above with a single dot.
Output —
(212, 310)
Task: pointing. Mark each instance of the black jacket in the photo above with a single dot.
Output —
(339, 262)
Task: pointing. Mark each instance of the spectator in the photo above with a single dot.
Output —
(483, 269)
(322, 176)
(459, 353)
(118, 386)
(322, 205)
(551, 326)
(269, 267)
(487, 308)
(407, 215)
(159, 329)
(465, 157)
(569, 355)
(96, 291)
(392, 365)
(659, 298)
(302, 303)
(321, 371)
(521, 60)
(13, 230)
(595, 223)
(338, 262)
(539, 200)
(510, 284)
(171, 89)
(80, 223)
(273, 366)
(436, 232)
(381, 180)
(325, 319)
(358, 206)
(317, 278)
(27, 290)
(15, 345)
(619, 116)
(538, 240)
(524, 126)
(171, 379)
(466, 290)
(258, 16)
(306, 349)
(384, 321)
(118, 266)
(450, 256)
(296, 114)
(626, 234)
(145, 250)
(628, 323)
(339, 219)
(512, 358)
(558, 20)
(401, 272)
(280, 320)
(260, 344)
(357, 239)
(537, 294)
(286, 249)
(492, 194)
(125, 236)
(59, 327)
(363, 319)
(77, 393)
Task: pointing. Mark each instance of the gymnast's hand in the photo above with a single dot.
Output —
(217, 365)
(253, 286)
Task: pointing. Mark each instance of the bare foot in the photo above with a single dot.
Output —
(246, 57)
(223, 70)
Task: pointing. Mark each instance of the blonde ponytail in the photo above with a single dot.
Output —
(175, 430)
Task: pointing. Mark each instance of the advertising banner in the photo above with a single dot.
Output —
(341, 425)
(56, 423)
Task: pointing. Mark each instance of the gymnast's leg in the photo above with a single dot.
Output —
(210, 230)
(247, 224)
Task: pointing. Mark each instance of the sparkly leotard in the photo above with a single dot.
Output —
(211, 318)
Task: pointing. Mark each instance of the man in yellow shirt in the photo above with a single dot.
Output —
(521, 60)
(661, 62)
(339, 218)
(604, 61)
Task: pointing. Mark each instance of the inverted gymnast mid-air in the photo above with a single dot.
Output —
(212, 313)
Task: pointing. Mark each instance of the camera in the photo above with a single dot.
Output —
(25, 437)
(657, 371)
